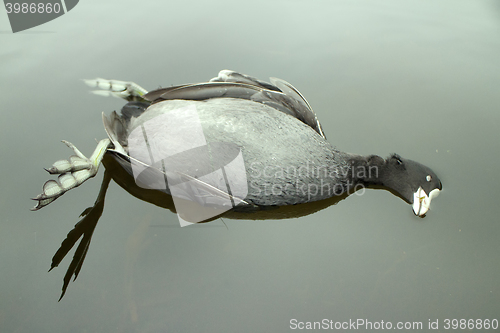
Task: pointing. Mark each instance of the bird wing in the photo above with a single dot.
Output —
(280, 95)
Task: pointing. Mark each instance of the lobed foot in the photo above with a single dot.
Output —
(72, 173)
(127, 90)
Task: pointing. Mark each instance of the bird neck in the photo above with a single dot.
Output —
(365, 171)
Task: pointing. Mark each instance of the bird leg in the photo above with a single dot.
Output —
(72, 173)
(85, 227)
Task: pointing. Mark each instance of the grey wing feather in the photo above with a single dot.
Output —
(202, 91)
(300, 109)
(116, 130)
(226, 75)
(229, 84)
(291, 106)
(153, 95)
(291, 91)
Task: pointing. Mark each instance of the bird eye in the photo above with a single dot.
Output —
(428, 178)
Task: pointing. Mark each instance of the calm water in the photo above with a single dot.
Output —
(420, 78)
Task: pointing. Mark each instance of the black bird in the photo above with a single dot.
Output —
(234, 145)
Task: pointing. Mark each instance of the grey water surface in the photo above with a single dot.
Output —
(420, 78)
